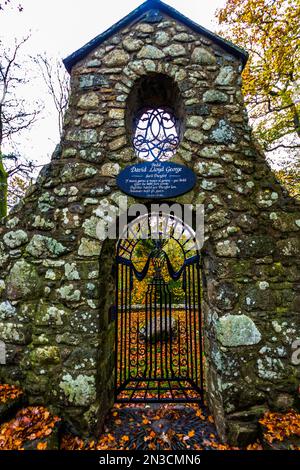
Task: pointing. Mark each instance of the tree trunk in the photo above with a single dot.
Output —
(3, 189)
(296, 120)
(3, 174)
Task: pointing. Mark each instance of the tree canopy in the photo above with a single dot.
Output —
(270, 31)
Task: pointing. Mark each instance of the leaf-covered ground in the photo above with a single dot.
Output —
(145, 427)
(153, 427)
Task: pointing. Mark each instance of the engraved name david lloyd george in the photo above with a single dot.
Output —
(155, 169)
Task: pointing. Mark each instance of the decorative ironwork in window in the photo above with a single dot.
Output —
(156, 134)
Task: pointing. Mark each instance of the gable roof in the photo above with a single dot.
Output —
(152, 9)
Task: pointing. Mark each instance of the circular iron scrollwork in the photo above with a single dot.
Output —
(156, 136)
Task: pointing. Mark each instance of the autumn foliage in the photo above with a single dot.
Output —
(279, 426)
(9, 392)
(129, 427)
(140, 258)
(269, 30)
(30, 424)
(147, 431)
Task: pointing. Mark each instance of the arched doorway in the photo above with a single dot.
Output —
(159, 352)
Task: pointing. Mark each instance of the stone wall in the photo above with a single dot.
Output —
(56, 295)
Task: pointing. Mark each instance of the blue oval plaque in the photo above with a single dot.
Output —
(156, 180)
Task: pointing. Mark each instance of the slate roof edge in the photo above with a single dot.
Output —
(138, 14)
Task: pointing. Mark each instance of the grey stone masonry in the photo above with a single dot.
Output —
(57, 278)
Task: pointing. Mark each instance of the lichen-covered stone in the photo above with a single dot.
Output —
(41, 246)
(13, 222)
(194, 121)
(184, 37)
(237, 330)
(150, 52)
(91, 80)
(227, 248)
(23, 281)
(89, 101)
(209, 169)
(208, 124)
(91, 155)
(270, 368)
(289, 246)
(162, 38)
(116, 58)
(257, 246)
(88, 136)
(76, 172)
(208, 185)
(7, 310)
(45, 355)
(89, 248)
(116, 113)
(41, 223)
(110, 169)
(92, 120)
(71, 272)
(69, 293)
(118, 143)
(51, 314)
(15, 239)
(132, 45)
(224, 133)
(175, 50)
(80, 390)
(194, 136)
(145, 28)
(215, 96)
(225, 76)
(256, 299)
(16, 333)
(266, 198)
(90, 226)
(202, 56)
(210, 152)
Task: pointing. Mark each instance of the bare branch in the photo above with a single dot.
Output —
(16, 115)
(284, 146)
(57, 82)
(5, 3)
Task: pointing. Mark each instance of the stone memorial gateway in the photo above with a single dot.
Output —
(57, 282)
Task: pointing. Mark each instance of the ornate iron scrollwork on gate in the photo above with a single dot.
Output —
(158, 344)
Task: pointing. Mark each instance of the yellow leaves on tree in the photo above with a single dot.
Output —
(270, 31)
(291, 180)
(140, 287)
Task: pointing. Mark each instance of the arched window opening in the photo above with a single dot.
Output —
(155, 117)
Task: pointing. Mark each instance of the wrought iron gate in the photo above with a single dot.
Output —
(159, 355)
